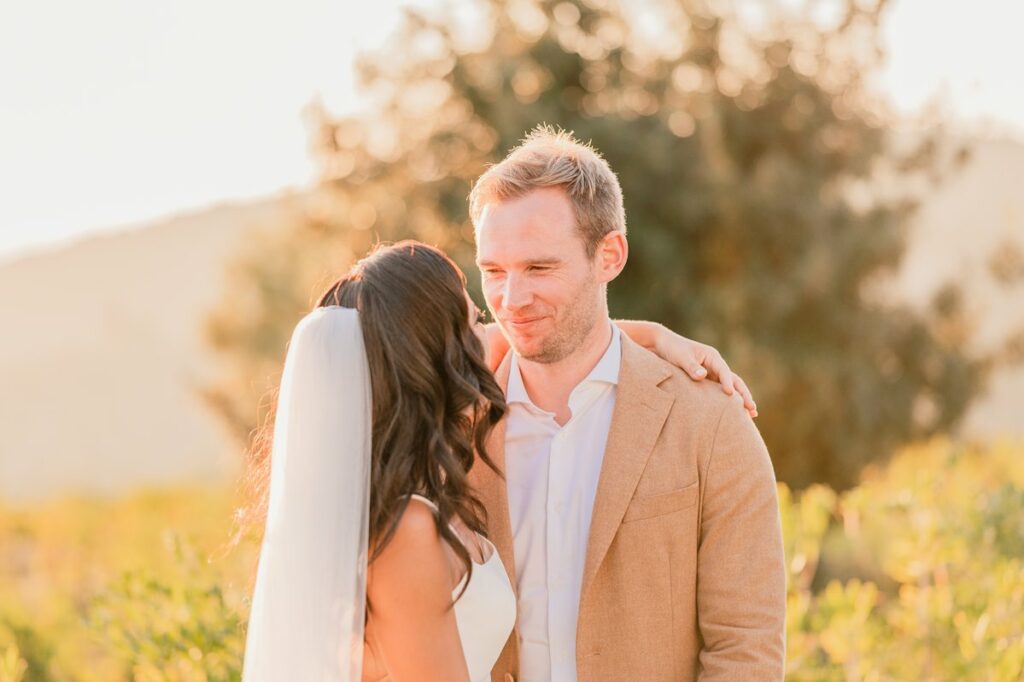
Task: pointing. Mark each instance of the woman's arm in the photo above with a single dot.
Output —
(409, 587)
(698, 360)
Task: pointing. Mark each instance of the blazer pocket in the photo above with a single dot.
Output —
(661, 504)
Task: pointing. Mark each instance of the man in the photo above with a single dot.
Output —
(638, 517)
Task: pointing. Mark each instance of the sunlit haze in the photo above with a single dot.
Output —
(115, 112)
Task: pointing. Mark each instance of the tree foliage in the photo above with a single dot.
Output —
(766, 201)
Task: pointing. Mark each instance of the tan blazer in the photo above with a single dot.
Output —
(684, 576)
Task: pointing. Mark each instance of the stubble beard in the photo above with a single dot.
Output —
(572, 330)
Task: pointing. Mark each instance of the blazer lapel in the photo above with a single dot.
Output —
(640, 412)
(491, 488)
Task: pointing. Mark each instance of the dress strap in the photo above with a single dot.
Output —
(433, 505)
(425, 499)
(485, 555)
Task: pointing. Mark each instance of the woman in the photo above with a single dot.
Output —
(375, 564)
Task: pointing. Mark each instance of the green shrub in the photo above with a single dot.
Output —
(12, 665)
(944, 525)
(916, 574)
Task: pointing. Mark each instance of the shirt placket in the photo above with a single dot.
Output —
(563, 545)
(559, 543)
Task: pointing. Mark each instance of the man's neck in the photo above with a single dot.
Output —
(550, 384)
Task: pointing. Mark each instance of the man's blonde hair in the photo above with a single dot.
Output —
(555, 158)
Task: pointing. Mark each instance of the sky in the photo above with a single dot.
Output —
(118, 112)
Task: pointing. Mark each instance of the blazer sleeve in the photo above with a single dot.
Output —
(741, 576)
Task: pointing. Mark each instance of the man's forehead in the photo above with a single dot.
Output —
(497, 246)
(527, 230)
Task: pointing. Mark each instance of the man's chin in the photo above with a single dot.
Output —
(537, 352)
(525, 347)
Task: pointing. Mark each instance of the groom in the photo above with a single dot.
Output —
(638, 517)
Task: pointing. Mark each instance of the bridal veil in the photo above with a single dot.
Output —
(309, 603)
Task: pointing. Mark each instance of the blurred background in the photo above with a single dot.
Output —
(828, 191)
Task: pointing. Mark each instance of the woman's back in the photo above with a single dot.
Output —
(406, 636)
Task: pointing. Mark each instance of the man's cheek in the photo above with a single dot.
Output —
(492, 296)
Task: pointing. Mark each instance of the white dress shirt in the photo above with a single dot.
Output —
(552, 473)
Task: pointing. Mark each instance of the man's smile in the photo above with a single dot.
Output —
(523, 323)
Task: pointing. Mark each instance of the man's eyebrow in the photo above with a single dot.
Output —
(547, 260)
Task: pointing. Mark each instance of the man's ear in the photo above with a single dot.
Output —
(612, 252)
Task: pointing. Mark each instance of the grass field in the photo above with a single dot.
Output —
(916, 574)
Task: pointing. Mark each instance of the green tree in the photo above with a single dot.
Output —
(758, 177)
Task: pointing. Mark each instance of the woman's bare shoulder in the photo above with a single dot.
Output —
(415, 560)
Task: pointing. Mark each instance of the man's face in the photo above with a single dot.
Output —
(540, 285)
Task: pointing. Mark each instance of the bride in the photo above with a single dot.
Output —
(375, 563)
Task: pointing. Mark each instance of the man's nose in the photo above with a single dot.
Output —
(517, 294)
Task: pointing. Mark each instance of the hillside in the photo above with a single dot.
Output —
(101, 354)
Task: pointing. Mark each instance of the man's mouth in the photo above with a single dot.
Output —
(522, 322)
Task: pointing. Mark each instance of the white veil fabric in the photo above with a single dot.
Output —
(309, 603)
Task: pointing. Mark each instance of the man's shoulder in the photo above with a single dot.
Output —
(703, 399)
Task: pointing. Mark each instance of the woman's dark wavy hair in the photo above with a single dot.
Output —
(434, 399)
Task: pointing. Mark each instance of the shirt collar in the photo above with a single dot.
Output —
(606, 370)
